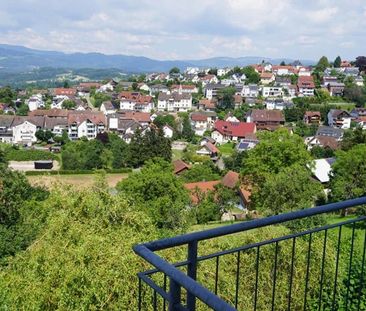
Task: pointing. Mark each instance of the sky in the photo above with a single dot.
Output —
(189, 29)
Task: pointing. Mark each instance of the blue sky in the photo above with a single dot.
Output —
(187, 29)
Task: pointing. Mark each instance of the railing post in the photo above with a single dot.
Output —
(175, 295)
(192, 273)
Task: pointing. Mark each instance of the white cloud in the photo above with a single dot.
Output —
(188, 29)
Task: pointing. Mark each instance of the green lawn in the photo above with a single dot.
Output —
(227, 149)
(177, 154)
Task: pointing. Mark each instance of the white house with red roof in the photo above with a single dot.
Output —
(136, 101)
(86, 124)
(225, 131)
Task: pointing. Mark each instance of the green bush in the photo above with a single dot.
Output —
(77, 172)
(13, 154)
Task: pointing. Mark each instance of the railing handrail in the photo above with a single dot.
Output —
(245, 226)
(182, 279)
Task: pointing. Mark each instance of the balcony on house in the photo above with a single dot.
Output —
(313, 266)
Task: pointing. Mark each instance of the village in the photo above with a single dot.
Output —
(210, 113)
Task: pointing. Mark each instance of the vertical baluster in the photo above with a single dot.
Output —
(291, 273)
(217, 273)
(256, 279)
(322, 269)
(192, 273)
(350, 264)
(164, 301)
(175, 295)
(362, 269)
(307, 272)
(274, 278)
(140, 289)
(337, 266)
(237, 280)
(154, 301)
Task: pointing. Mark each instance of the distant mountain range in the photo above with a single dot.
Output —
(22, 59)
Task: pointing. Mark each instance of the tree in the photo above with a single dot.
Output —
(321, 152)
(68, 104)
(323, 64)
(226, 98)
(352, 138)
(44, 135)
(276, 151)
(201, 172)
(174, 70)
(66, 84)
(290, 190)
(283, 63)
(251, 74)
(337, 62)
(348, 179)
(7, 95)
(159, 191)
(135, 86)
(361, 63)
(22, 110)
(187, 131)
(355, 94)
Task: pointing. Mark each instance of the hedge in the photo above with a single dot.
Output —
(77, 172)
(29, 155)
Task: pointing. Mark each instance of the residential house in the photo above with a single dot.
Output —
(184, 89)
(56, 125)
(144, 87)
(222, 71)
(284, 70)
(246, 144)
(277, 104)
(272, 91)
(312, 117)
(202, 122)
(211, 90)
(158, 88)
(6, 131)
(208, 79)
(174, 102)
(304, 72)
(231, 118)
(359, 81)
(143, 118)
(207, 104)
(35, 102)
(168, 131)
(64, 91)
(85, 124)
(306, 86)
(351, 72)
(328, 131)
(51, 113)
(339, 118)
(107, 108)
(336, 88)
(358, 112)
(225, 131)
(250, 90)
(290, 91)
(322, 169)
(328, 79)
(266, 119)
(136, 101)
(180, 167)
(238, 101)
(267, 78)
(108, 87)
(326, 137)
(25, 128)
(282, 81)
(210, 150)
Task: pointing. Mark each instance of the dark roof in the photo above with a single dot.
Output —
(179, 166)
(231, 179)
(329, 131)
(6, 121)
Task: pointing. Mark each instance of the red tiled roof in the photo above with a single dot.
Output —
(207, 103)
(142, 117)
(310, 114)
(135, 97)
(203, 187)
(236, 129)
(49, 113)
(184, 86)
(198, 117)
(306, 82)
(180, 166)
(267, 115)
(65, 91)
(212, 147)
(78, 117)
(266, 75)
(231, 179)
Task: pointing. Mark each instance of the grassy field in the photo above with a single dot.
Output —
(80, 181)
(177, 154)
(227, 149)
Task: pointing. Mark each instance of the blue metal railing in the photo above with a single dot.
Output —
(167, 291)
